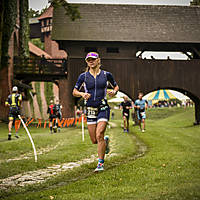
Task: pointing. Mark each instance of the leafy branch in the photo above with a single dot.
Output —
(71, 10)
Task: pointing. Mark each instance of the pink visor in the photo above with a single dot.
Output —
(92, 55)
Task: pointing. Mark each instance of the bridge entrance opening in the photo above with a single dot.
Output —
(171, 97)
(164, 55)
(168, 98)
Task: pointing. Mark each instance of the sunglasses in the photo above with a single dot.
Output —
(89, 59)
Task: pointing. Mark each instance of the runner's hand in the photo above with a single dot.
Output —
(111, 93)
(86, 96)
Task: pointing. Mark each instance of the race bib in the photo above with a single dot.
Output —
(92, 112)
(142, 114)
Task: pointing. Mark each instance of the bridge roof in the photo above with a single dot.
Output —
(47, 14)
(129, 23)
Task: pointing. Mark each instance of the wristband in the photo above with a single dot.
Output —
(115, 91)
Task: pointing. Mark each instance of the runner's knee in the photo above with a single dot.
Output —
(94, 141)
(100, 137)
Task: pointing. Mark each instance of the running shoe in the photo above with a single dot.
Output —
(107, 140)
(142, 131)
(55, 129)
(99, 168)
(9, 136)
(17, 136)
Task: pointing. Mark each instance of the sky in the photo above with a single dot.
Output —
(40, 4)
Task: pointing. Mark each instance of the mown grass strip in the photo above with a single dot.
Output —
(170, 169)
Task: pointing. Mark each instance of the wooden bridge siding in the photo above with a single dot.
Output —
(75, 67)
(136, 75)
(148, 75)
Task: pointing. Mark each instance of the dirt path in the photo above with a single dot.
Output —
(41, 175)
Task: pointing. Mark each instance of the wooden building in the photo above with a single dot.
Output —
(118, 32)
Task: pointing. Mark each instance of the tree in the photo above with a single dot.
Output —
(36, 13)
(70, 9)
(195, 2)
(33, 13)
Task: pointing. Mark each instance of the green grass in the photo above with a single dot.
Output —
(170, 169)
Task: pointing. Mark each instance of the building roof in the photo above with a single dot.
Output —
(47, 14)
(129, 23)
(37, 51)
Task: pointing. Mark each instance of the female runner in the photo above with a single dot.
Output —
(94, 81)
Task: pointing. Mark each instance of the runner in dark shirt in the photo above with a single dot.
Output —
(58, 113)
(126, 106)
(13, 101)
(52, 115)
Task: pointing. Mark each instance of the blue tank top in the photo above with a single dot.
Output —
(97, 87)
(140, 103)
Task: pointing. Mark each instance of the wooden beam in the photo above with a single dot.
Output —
(188, 55)
(140, 54)
(196, 51)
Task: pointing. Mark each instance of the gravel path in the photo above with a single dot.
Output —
(41, 175)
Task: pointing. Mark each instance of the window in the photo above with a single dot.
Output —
(90, 49)
(112, 50)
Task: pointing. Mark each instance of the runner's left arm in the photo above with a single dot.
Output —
(146, 104)
(20, 100)
(113, 84)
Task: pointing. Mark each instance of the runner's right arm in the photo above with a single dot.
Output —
(7, 103)
(136, 105)
(77, 87)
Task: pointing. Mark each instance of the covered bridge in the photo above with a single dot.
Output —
(118, 32)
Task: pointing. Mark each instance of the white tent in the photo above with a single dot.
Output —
(115, 100)
(177, 95)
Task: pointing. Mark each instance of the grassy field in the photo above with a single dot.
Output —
(162, 163)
